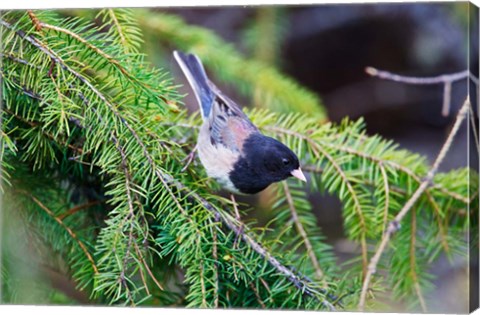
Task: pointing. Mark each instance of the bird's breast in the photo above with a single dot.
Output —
(217, 159)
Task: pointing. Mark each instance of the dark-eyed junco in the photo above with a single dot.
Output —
(230, 147)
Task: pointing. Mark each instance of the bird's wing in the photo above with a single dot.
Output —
(229, 126)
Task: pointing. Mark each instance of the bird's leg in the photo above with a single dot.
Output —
(237, 216)
(189, 158)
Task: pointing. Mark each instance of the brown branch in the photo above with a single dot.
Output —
(257, 295)
(441, 230)
(35, 21)
(303, 234)
(62, 224)
(129, 217)
(387, 197)
(142, 276)
(78, 208)
(395, 224)
(202, 285)
(413, 271)
(150, 273)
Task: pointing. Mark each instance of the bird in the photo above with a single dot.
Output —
(231, 148)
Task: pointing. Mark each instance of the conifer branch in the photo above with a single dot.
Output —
(358, 208)
(395, 224)
(299, 282)
(42, 47)
(318, 151)
(63, 225)
(123, 29)
(165, 178)
(130, 216)
(110, 59)
(397, 166)
(35, 124)
(202, 284)
(387, 186)
(117, 25)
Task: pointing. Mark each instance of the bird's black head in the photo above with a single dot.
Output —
(264, 161)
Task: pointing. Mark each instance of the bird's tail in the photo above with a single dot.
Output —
(193, 69)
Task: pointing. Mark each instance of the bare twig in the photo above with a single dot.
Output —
(418, 80)
(445, 79)
(471, 114)
(395, 224)
(447, 95)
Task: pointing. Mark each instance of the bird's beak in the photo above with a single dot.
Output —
(298, 174)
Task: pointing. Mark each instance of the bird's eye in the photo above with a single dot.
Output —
(286, 161)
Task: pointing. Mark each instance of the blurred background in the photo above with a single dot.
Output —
(326, 49)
